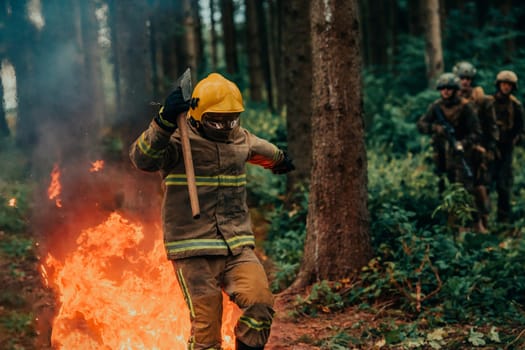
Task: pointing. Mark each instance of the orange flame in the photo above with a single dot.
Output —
(12, 202)
(53, 191)
(96, 166)
(115, 294)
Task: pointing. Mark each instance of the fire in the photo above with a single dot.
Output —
(12, 202)
(53, 191)
(116, 289)
(96, 166)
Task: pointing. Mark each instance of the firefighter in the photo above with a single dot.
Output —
(509, 114)
(214, 253)
(454, 126)
(483, 153)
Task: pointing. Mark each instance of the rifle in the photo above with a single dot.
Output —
(450, 133)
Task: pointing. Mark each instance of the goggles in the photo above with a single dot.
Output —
(221, 121)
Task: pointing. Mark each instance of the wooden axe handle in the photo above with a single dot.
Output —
(188, 165)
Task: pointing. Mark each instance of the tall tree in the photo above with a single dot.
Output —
(265, 52)
(296, 72)
(133, 65)
(92, 72)
(254, 51)
(22, 45)
(4, 129)
(213, 37)
(229, 37)
(190, 36)
(337, 240)
(434, 50)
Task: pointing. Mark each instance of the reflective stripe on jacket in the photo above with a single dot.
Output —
(224, 225)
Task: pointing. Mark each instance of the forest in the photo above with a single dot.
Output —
(358, 241)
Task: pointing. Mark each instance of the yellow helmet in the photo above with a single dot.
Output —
(215, 94)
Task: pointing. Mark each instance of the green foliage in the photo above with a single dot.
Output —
(17, 324)
(285, 240)
(323, 297)
(458, 204)
(15, 190)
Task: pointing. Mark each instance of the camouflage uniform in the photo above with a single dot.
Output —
(509, 114)
(483, 153)
(461, 115)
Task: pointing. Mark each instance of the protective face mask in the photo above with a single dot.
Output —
(221, 123)
(220, 127)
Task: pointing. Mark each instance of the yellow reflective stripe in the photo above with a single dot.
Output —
(240, 241)
(255, 324)
(276, 154)
(195, 244)
(146, 148)
(208, 244)
(185, 292)
(220, 180)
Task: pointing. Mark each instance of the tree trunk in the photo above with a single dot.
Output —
(229, 37)
(297, 74)
(275, 19)
(132, 51)
(337, 241)
(213, 37)
(254, 51)
(4, 128)
(377, 33)
(433, 51)
(92, 72)
(265, 52)
(190, 37)
(23, 36)
(415, 25)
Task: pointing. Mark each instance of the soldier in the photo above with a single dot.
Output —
(509, 114)
(214, 253)
(484, 152)
(454, 126)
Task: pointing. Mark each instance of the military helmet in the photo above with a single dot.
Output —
(448, 80)
(507, 76)
(215, 94)
(464, 69)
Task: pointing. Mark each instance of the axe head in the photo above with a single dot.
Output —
(184, 82)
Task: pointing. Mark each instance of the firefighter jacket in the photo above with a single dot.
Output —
(224, 226)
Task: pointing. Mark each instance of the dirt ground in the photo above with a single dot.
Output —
(306, 333)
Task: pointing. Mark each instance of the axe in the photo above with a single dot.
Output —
(184, 82)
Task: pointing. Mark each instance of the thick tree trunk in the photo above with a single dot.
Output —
(337, 241)
(297, 75)
(254, 51)
(433, 51)
(229, 37)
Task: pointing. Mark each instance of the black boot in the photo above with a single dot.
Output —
(241, 346)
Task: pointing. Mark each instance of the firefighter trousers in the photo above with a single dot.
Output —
(242, 277)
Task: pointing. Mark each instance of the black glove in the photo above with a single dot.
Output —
(284, 166)
(173, 106)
